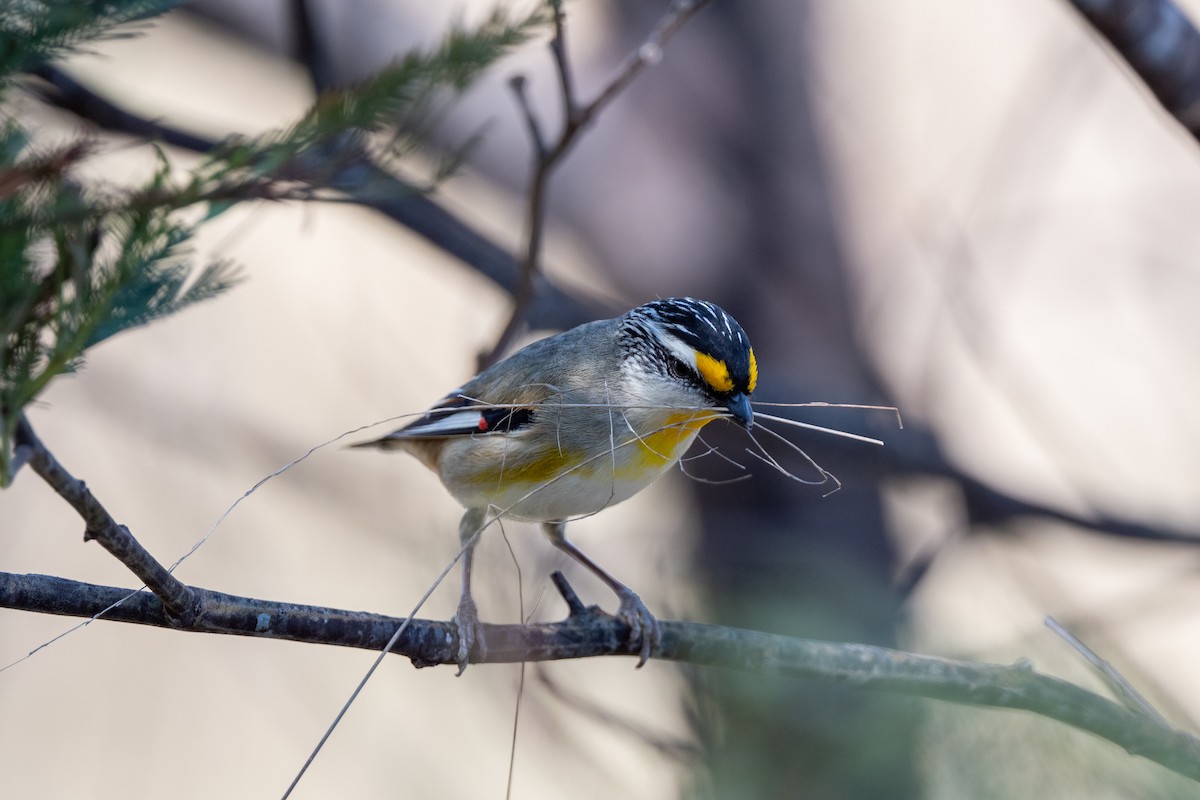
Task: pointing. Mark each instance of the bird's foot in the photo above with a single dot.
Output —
(643, 627)
(470, 632)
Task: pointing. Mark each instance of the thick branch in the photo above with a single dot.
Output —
(590, 632)
(1160, 44)
(99, 525)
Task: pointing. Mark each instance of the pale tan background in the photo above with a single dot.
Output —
(1021, 228)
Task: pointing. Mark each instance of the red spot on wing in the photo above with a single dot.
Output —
(483, 423)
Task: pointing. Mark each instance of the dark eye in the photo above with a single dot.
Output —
(677, 369)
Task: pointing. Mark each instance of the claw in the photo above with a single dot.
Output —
(470, 632)
(643, 626)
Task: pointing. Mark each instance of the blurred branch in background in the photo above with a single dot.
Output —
(359, 177)
(1160, 44)
(362, 181)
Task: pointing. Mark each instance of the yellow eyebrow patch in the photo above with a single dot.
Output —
(714, 371)
(753, 372)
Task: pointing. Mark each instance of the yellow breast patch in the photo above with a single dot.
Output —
(656, 450)
(633, 457)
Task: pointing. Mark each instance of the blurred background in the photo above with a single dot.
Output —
(970, 211)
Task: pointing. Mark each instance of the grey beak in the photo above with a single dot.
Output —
(739, 407)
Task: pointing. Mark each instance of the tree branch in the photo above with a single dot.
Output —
(176, 596)
(589, 632)
(1160, 44)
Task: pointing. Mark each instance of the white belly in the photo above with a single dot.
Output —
(573, 485)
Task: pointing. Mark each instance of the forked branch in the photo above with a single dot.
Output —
(576, 117)
(178, 601)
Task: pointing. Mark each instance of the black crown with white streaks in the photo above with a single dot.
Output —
(703, 326)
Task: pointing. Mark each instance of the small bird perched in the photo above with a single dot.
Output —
(580, 421)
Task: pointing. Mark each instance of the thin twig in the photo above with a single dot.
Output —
(518, 83)
(362, 683)
(566, 79)
(175, 595)
(576, 117)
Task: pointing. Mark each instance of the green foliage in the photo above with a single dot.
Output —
(394, 105)
(32, 31)
(72, 275)
(81, 261)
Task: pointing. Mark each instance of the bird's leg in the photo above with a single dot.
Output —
(470, 632)
(632, 611)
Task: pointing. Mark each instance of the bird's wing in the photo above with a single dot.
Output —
(461, 413)
(504, 398)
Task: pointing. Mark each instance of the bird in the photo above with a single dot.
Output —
(577, 422)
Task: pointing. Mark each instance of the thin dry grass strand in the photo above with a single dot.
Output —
(612, 442)
(70, 630)
(208, 534)
(823, 404)
(767, 458)
(512, 750)
(819, 428)
(558, 429)
(265, 479)
(605, 405)
(383, 654)
(712, 450)
(1129, 697)
(637, 437)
